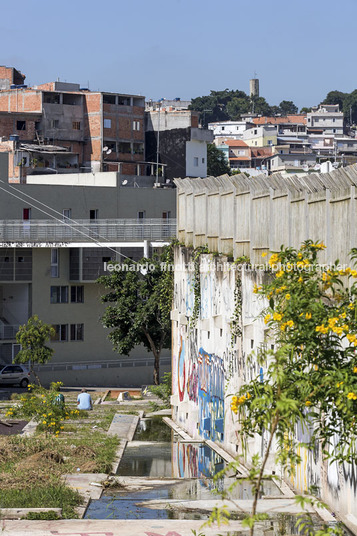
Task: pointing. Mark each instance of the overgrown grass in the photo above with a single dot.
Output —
(52, 496)
(32, 468)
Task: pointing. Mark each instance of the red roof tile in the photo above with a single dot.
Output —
(298, 118)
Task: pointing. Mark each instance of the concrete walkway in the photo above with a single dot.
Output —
(130, 527)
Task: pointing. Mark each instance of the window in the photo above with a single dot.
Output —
(123, 101)
(136, 125)
(77, 294)
(108, 99)
(66, 214)
(203, 160)
(138, 148)
(107, 123)
(59, 294)
(124, 147)
(54, 123)
(141, 215)
(166, 215)
(54, 262)
(51, 98)
(93, 214)
(333, 119)
(195, 161)
(76, 125)
(26, 214)
(61, 333)
(20, 259)
(20, 125)
(223, 128)
(77, 332)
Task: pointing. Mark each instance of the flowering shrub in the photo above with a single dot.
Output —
(310, 379)
(41, 405)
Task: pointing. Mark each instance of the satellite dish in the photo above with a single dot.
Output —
(317, 167)
(109, 151)
(105, 149)
(124, 182)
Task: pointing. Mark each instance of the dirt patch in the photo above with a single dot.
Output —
(16, 428)
(84, 452)
(39, 461)
(88, 467)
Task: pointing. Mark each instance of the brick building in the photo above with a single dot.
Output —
(59, 127)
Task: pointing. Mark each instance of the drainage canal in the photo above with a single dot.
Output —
(166, 478)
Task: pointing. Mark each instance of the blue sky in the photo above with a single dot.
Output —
(184, 48)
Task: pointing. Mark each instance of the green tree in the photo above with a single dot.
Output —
(221, 105)
(261, 106)
(139, 304)
(350, 108)
(288, 107)
(336, 97)
(305, 110)
(216, 162)
(33, 337)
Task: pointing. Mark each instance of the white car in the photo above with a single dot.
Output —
(15, 374)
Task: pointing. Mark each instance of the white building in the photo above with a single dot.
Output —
(229, 129)
(326, 119)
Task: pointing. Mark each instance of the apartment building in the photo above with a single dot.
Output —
(325, 119)
(261, 136)
(174, 137)
(50, 261)
(59, 127)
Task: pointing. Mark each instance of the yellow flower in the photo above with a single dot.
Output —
(256, 289)
(355, 369)
(351, 306)
(308, 316)
(44, 422)
(316, 367)
(321, 329)
(343, 315)
(264, 254)
(300, 280)
(280, 273)
(332, 321)
(354, 273)
(287, 297)
(352, 396)
(277, 316)
(299, 255)
(307, 403)
(290, 323)
(273, 259)
(352, 338)
(321, 245)
(267, 318)
(338, 384)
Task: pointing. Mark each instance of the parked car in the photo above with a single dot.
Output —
(15, 374)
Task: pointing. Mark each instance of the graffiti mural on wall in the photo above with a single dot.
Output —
(195, 461)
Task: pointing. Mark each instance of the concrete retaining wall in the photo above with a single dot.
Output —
(209, 365)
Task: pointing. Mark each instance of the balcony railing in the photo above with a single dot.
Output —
(113, 230)
(8, 332)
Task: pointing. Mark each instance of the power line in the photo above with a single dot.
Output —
(63, 222)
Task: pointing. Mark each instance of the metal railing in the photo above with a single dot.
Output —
(112, 230)
(8, 331)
